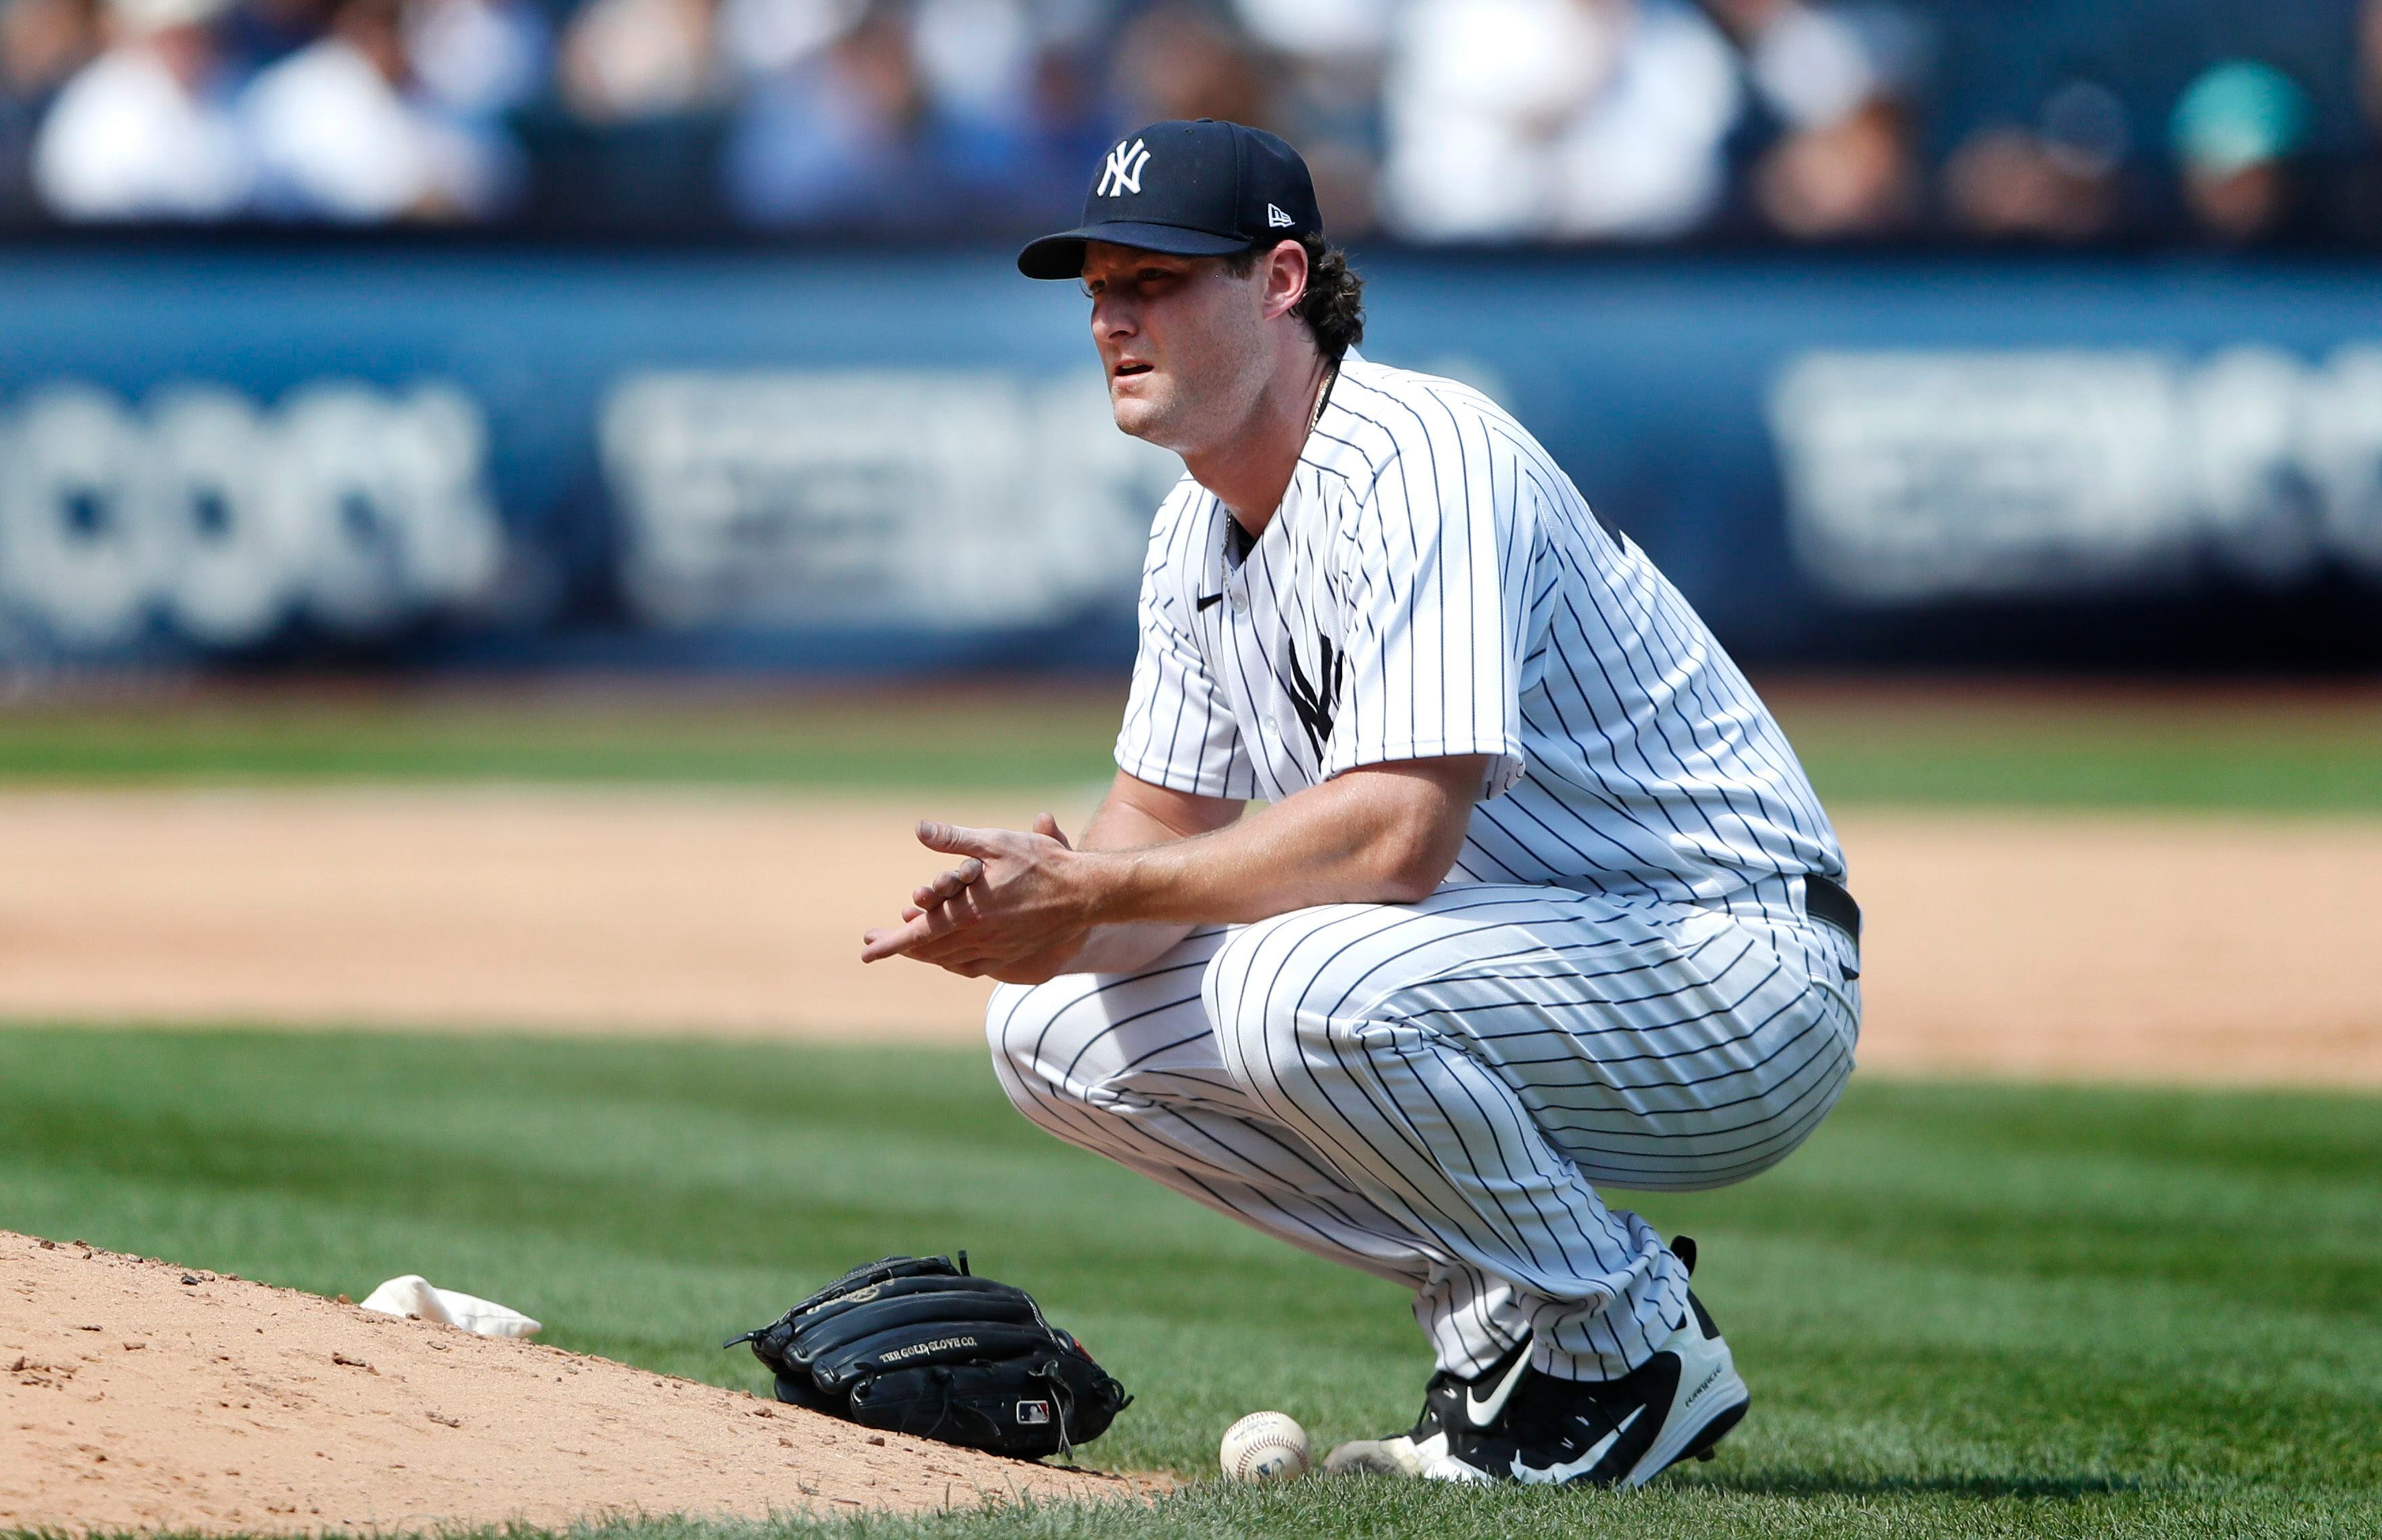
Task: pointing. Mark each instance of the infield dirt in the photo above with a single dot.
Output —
(135, 1395)
(2173, 947)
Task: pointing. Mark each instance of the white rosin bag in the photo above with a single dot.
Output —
(415, 1295)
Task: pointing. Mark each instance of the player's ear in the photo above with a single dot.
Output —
(1285, 273)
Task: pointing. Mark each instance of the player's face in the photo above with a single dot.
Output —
(1182, 341)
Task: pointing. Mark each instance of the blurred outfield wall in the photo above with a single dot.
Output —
(480, 456)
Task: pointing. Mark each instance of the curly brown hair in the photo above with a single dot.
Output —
(1333, 305)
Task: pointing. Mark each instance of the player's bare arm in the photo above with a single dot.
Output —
(1022, 902)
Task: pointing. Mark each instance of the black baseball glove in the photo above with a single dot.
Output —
(916, 1344)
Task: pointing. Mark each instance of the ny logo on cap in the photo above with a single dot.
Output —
(1123, 171)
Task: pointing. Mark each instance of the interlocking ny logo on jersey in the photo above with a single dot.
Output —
(1316, 701)
(1122, 175)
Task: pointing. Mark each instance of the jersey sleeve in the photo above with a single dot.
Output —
(1435, 569)
(1178, 730)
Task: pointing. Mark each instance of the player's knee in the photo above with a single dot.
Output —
(1017, 1022)
(1257, 994)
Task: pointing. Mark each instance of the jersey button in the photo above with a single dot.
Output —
(1238, 600)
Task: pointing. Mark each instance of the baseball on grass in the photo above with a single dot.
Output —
(1265, 1445)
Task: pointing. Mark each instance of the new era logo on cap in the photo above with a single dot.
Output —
(1198, 188)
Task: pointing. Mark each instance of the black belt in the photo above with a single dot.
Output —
(1826, 901)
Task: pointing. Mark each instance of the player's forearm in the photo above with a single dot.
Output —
(1251, 872)
(1382, 836)
(1121, 824)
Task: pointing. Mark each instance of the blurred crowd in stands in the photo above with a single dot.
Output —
(1472, 121)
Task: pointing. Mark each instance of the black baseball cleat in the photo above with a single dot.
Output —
(1609, 1433)
(1451, 1408)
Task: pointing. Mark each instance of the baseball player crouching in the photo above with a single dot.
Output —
(1541, 900)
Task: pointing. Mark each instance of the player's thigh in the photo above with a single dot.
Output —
(1098, 1037)
(1668, 1049)
(1280, 986)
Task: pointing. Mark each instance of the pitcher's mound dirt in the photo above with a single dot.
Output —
(135, 1394)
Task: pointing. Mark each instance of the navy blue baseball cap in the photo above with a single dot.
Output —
(1195, 190)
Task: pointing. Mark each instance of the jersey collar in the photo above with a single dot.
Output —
(1325, 406)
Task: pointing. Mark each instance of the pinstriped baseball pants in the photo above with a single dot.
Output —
(1432, 1092)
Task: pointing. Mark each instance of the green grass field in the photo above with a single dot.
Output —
(1965, 1310)
(2247, 749)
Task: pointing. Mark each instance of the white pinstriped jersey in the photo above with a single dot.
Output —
(1433, 584)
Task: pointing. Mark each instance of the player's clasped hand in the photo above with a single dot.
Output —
(1008, 910)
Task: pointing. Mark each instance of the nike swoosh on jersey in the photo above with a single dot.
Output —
(1207, 599)
(1483, 1412)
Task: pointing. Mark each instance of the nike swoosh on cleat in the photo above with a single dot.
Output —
(1483, 1412)
(1568, 1470)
